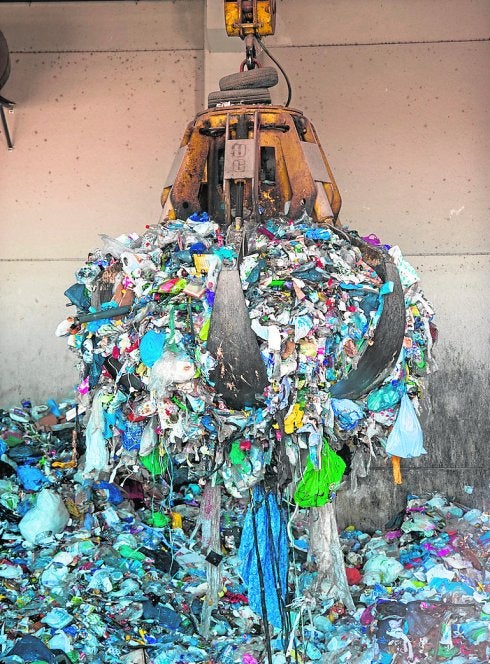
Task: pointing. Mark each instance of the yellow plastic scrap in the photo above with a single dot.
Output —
(414, 310)
(397, 473)
(141, 369)
(64, 464)
(204, 331)
(201, 262)
(294, 419)
(72, 508)
(176, 520)
(308, 348)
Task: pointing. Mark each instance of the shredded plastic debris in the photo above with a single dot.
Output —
(125, 579)
(107, 553)
(148, 378)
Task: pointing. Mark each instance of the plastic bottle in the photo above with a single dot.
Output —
(227, 656)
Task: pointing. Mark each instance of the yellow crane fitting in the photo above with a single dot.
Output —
(250, 17)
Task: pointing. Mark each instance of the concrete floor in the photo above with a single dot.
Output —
(398, 93)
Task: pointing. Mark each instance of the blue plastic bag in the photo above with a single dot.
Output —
(406, 439)
(318, 234)
(78, 295)
(131, 437)
(151, 347)
(115, 496)
(31, 478)
(347, 412)
(271, 541)
(385, 397)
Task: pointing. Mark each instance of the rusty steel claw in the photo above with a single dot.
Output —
(224, 167)
(240, 374)
(380, 357)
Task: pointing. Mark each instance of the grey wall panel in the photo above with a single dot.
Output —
(94, 135)
(35, 364)
(98, 26)
(407, 132)
(313, 22)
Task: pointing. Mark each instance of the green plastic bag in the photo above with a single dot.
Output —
(131, 554)
(237, 456)
(155, 463)
(158, 520)
(313, 490)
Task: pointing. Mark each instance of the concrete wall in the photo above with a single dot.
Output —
(398, 93)
(104, 91)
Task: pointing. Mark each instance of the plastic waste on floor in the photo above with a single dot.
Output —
(115, 569)
(48, 517)
(124, 579)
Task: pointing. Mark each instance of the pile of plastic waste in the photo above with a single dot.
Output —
(100, 571)
(144, 306)
(106, 528)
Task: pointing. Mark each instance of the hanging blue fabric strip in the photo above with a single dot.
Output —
(273, 555)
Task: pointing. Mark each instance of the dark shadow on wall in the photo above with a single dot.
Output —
(456, 430)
